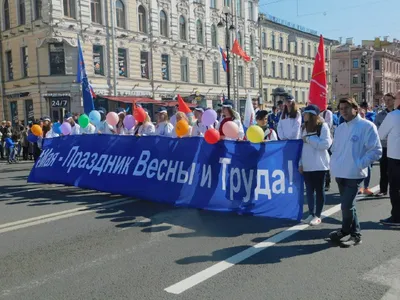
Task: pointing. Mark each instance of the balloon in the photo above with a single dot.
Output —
(129, 122)
(231, 130)
(212, 136)
(255, 134)
(32, 138)
(209, 117)
(112, 118)
(182, 128)
(94, 117)
(37, 130)
(66, 128)
(139, 114)
(56, 128)
(83, 120)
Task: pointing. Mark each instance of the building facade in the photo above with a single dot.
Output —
(157, 49)
(366, 72)
(288, 54)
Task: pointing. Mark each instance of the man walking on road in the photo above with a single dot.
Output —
(390, 130)
(355, 147)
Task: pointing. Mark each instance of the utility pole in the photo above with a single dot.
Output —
(114, 62)
(260, 65)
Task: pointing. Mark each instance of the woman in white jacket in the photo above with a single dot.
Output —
(230, 115)
(144, 128)
(314, 161)
(289, 126)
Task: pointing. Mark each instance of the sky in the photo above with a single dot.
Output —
(359, 19)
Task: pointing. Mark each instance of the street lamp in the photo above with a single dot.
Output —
(364, 64)
(226, 11)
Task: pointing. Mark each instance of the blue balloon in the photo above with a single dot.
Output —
(56, 128)
(32, 138)
(94, 117)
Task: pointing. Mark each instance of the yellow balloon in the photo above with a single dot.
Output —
(255, 134)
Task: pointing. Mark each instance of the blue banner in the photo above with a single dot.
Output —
(257, 179)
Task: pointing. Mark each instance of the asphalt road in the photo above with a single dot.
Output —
(64, 243)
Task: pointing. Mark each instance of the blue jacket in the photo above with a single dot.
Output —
(9, 143)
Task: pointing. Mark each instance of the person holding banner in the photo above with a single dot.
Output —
(314, 162)
(262, 121)
(182, 116)
(163, 127)
(120, 127)
(230, 115)
(75, 128)
(199, 128)
(144, 128)
(103, 127)
(289, 126)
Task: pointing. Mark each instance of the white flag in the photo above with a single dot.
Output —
(249, 114)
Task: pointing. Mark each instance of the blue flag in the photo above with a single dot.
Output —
(81, 77)
(224, 58)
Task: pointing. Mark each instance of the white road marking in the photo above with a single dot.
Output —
(217, 268)
(30, 190)
(62, 215)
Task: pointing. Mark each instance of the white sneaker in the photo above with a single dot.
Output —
(308, 220)
(315, 221)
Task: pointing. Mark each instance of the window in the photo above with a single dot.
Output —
(144, 64)
(214, 39)
(184, 69)
(251, 46)
(120, 14)
(309, 50)
(288, 45)
(24, 61)
(315, 50)
(355, 63)
(273, 69)
(251, 10)
(213, 3)
(309, 74)
(199, 31)
(264, 40)
(95, 8)
(240, 76)
(21, 12)
(163, 24)
(296, 72)
(302, 48)
(69, 8)
(38, 9)
(377, 87)
(182, 28)
(326, 54)
(98, 60)
(200, 71)
(355, 79)
(6, 15)
(289, 71)
(227, 3)
(9, 65)
(281, 43)
(302, 74)
(216, 72)
(142, 19)
(239, 8)
(355, 96)
(57, 59)
(264, 68)
(281, 70)
(165, 66)
(303, 96)
(296, 95)
(265, 94)
(240, 40)
(296, 50)
(252, 77)
(377, 64)
(273, 40)
(122, 62)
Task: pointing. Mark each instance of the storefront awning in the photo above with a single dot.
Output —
(131, 100)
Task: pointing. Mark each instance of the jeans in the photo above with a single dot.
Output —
(383, 164)
(315, 190)
(394, 187)
(11, 156)
(348, 189)
(367, 179)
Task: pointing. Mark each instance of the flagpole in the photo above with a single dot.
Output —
(112, 3)
(235, 84)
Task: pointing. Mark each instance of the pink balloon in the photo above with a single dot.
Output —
(129, 122)
(209, 117)
(112, 118)
(231, 130)
(66, 128)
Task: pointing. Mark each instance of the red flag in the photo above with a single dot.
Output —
(317, 95)
(183, 106)
(236, 49)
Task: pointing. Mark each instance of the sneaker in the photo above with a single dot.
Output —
(352, 241)
(308, 220)
(382, 194)
(368, 192)
(315, 221)
(390, 221)
(361, 191)
(336, 236)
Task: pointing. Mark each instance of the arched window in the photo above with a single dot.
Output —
(182, 28)
(142, 18)
(199, 31)
(214, 38)
(239, 38)
(95, 9)
(21, 12)
(163, 24)
(251, 45)
(6, 15)
(120, 14)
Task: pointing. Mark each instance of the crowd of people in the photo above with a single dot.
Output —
(344, 144)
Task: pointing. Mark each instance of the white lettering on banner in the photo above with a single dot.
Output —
(224, 161)
(206, 176)
(183, 175)
(278, 186)
(84, 160)
(160, 175)
(75, 161)
(70, 156)
(171, 170)
(247, 184)
(94, 156)
(110, 163)
(152, 168)
(119, 165)
(142, 163)
(259, 190)
(234, 188)
(125, 170)
(192, 173)
(99, 165)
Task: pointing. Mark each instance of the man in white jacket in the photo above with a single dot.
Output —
(355, 147)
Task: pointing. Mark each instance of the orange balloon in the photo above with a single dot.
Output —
(182, 128)
(37, 130)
